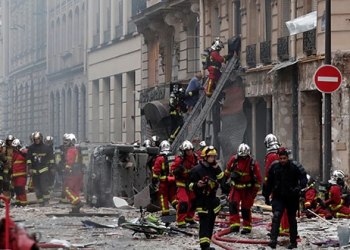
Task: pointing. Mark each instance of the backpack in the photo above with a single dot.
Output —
(206, 58)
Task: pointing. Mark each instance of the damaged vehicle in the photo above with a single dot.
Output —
(120, 170)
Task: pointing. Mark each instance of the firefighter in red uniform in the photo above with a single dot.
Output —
(39, 157)
(161, 172)
(19, 173)
(214, 66)
(204, 180)
(272, 145)
(334, 199)
(181, 168)
(74, 174)
(246, 179)
(313, 202)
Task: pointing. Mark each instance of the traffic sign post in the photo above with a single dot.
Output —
(327, 79)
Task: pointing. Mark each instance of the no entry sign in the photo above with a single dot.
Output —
(327, 78)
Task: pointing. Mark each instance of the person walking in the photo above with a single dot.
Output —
(204, 181)
(285, 180)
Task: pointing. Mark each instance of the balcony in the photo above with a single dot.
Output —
(309, 42)
(265, 52)
(283, 48)
(251, 55)
(137, 6)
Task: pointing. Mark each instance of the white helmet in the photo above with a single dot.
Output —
(164, 146)
(155, 141)
(186, 145)
(243, 150)
(69, 139)
(16, 143)
(337, 174)
(310, 180)
(48, 140)
(202, 144)
(270, 140)
(147, 143)
(217, 45)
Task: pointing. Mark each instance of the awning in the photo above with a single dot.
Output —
(281, 66)
(155, 111)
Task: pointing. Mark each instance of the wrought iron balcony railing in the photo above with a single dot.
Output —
(251, 55)
(283, 48)
(265, 52)
(137, 6)
(309, 42)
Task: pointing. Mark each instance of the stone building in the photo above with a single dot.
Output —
(114, 72)
(274, 91)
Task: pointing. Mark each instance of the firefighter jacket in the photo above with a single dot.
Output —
(8, 155)
(269, 159)
(19, 165)
(2, 165)
(177, 105)
(216, 59)
(72, 157)
(212, 176)
(161, 168)
(335, 200)
(244, 173)
(181, 168)
(39, 157)
(285, 180)
(310, 198)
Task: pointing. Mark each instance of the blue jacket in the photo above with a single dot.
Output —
(192, 91)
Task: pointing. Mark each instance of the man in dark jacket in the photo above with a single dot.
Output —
(204, 181)
(285, 180)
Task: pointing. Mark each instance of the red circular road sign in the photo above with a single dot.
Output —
(327, 78)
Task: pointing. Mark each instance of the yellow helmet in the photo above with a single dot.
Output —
(209, 150)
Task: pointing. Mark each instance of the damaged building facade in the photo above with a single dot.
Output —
(272, 91)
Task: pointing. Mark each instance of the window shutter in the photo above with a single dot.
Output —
(268, 19)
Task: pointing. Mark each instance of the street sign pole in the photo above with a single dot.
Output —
(327, 142)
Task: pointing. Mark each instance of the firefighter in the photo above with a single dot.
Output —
(74, 174)
(272, 145)
(285, 180)
(48, 140)
(2, 164)
(8, 167)
(204, 181)
(39, 158)
(245, 176)
(334, 199)
(177, 108)
(60, 160)
(161, 172)
(214, 66)
(180, 168)
(31, 182)
(312, 202)
(19, 172)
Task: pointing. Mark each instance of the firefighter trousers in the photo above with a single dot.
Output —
(166, 194)
(71, 186)
(213, 78)
(19, 184)
(185, 208)
(41, 186)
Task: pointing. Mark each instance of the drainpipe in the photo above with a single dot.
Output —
(295, 84)
(201, 47)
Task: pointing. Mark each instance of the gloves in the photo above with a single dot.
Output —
(267, 201)
(228, 57)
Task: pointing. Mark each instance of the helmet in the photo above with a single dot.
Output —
(209, 150)
(186, 145)
(147, 143)
(69, 139)
(310, 180)
(217, 45)
(31, 137)
(2, 143)
(164, 146)
(10, 138)
(16, 143)
(48, 140)
(337, 174)
(38, 135)
(202, 144)
(243, 150)
(155, 141)
(270, 140)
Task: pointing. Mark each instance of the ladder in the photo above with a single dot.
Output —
(200, 112)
